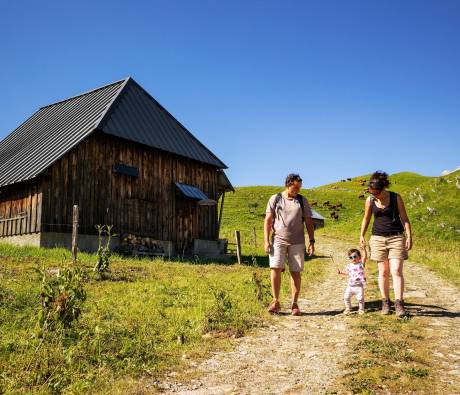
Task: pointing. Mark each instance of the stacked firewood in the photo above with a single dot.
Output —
(140, 246)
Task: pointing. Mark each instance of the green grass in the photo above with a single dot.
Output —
(147, 315)
(436, 236)
(134, 326)
(388, 354)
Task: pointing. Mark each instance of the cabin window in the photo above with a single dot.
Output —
(126, 170)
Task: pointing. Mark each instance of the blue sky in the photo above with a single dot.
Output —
(328, 89)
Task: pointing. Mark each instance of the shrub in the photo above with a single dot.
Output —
(61, 298)
(219, 316)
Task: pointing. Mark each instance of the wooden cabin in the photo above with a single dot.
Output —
(123, 159)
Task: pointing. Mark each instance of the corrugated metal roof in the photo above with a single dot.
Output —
(191, 191)
(121, 109)
(139, 117)
(224, 183)
(51, 132)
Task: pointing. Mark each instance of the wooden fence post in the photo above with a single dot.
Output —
(74, 233)
(238, 246)
(220, 214)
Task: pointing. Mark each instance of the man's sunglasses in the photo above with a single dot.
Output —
(353, 256)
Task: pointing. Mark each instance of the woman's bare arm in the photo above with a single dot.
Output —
(405, 221)
(365, 222)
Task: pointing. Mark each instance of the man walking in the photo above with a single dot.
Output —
(284, 238)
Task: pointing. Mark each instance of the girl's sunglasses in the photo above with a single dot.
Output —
(353, 256)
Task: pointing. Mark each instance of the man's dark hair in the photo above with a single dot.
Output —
(353, 250)
(291, 178)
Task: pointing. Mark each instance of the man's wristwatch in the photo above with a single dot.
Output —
(312, 241)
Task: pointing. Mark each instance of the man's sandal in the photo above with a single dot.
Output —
(274, 307)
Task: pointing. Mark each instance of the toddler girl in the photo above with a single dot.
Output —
(356, 279)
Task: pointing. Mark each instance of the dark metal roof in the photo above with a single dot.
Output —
(121, 109)
(51, 132)
(191, 191)
(316, 215)
(224, 183)
(139, 117)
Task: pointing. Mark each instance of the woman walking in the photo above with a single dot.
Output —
(391, 238)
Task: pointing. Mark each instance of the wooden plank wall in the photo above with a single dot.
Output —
(147, 205)
(20, 209)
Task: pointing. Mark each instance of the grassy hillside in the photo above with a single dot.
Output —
(145, 318)
(433, 205)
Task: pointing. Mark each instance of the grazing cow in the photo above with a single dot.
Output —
(339, 205)
(343, 180)
(348, 179)
(314, 203)
(336, 217)
(333, 214)
(326, 203)
(362, 196)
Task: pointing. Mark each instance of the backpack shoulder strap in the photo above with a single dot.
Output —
(300, 200)
(275, 206)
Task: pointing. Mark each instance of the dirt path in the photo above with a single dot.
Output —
(303, 355)
(293, 355)
(435, 305)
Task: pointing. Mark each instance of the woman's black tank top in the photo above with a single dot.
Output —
(387, 220)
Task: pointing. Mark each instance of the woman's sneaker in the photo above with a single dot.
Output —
(274, 307)
(385, 306)
(399, 308)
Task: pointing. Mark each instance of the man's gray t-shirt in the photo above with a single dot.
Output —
(288, 219)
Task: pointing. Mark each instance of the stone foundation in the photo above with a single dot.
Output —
(209, 248)
(87, 243)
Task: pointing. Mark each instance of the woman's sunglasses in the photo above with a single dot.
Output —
(374, 191)
(353, 256)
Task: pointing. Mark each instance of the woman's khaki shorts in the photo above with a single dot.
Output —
(388, 247)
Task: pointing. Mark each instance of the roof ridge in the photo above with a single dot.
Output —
(111, 106)
(179, 123)
(124, 80)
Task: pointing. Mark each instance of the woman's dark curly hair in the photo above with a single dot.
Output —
(379, 180)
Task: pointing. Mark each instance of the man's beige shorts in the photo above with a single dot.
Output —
(388, 247)
(294, 253)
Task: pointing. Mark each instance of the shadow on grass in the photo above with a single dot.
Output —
(329, 313)
(246, 260)
(263, 261)
(417, 309)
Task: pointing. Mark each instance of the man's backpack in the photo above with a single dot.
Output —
(299, 198)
